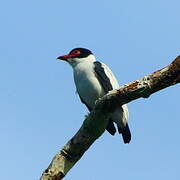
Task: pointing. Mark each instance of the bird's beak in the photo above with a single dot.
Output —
(64, 58)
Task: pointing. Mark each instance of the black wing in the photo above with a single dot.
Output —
(106, 84)
(102, 77)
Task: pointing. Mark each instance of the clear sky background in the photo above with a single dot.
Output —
(39, 109)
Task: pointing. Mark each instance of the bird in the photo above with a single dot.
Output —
(93, 79)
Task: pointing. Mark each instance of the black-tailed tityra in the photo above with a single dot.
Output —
(93, 80)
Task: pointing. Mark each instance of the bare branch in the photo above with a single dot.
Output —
(95, 124)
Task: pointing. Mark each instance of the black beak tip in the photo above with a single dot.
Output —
(62, 58)
(59, 57)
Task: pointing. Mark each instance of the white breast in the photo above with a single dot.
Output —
(88, 86)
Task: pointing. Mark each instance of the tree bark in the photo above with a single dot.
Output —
(95, 123)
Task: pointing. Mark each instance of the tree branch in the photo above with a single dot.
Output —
(95, 123)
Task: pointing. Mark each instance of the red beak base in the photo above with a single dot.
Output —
(65, 57)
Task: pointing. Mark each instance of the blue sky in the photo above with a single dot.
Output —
(40, 110)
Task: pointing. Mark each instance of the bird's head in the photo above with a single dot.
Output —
(77, 56)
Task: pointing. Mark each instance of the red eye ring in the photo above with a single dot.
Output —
(76, 52)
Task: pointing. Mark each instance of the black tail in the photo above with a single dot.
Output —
(126, 133)
(111, 128)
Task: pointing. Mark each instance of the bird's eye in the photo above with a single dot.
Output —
(76, 52)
